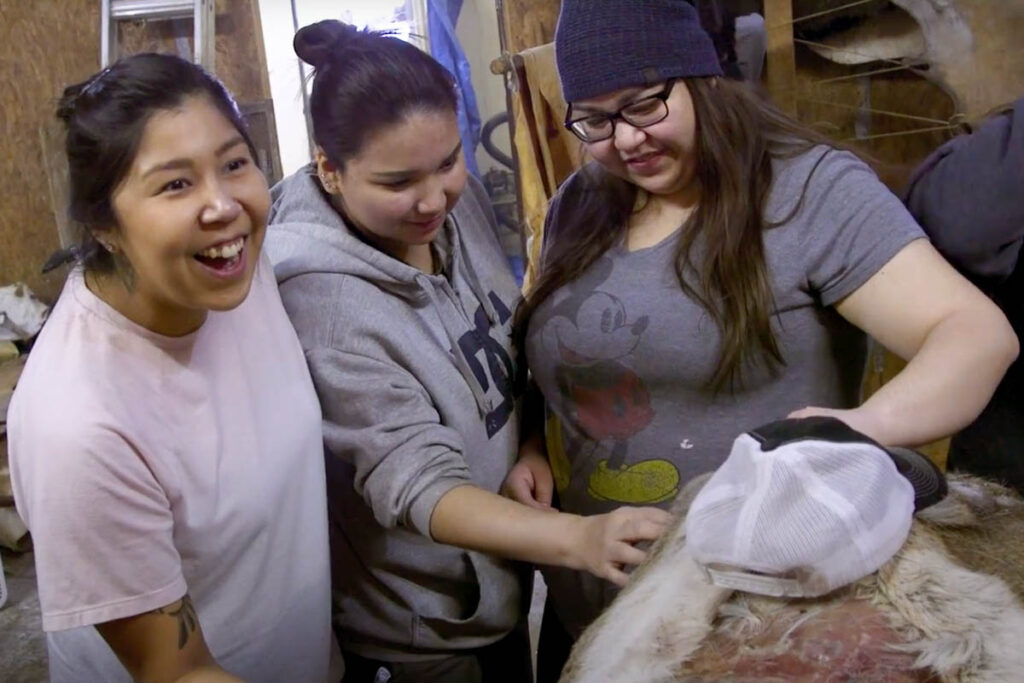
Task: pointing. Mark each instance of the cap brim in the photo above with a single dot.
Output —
(927, 479)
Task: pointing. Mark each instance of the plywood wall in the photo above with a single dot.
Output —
(838, 108)
(47, 44)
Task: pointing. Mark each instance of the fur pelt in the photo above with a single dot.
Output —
(929, 614)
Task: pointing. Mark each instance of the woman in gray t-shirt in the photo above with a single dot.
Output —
(719, 267)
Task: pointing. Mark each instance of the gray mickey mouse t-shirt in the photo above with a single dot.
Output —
(623, 356)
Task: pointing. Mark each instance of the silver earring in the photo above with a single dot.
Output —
(328, 179)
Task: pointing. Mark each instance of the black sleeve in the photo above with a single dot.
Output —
(969, 197)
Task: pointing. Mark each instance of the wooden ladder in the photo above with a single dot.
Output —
(202, 13)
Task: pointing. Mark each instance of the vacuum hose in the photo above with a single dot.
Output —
(485, 139)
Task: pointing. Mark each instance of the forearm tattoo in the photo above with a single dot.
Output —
(185, 613)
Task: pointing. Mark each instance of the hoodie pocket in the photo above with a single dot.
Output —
(479, 622)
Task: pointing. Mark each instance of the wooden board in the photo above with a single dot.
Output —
(44, 45)
(9, 373)
(527, 23)
(780, 60)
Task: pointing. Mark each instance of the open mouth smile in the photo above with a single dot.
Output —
(226, 259)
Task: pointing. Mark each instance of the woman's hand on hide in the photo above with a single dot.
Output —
(604, 544)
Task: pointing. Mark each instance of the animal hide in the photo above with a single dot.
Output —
(947, 607)
(817, 17)
(893, 35)
(970, 46)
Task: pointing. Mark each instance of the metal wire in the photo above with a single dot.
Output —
(819, 14)
(883, 112)
(900, 133)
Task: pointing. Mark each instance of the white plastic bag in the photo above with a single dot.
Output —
(21, 314)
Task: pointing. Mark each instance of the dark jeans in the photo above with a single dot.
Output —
(506, 661)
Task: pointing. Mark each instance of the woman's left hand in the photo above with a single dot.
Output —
(530, 482)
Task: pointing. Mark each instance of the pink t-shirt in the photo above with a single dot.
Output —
(147, 466)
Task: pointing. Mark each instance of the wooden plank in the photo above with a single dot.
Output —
(780, 61)
(51, 148)
(505, 67)
(263, 130)
(256, 37)
(527, 23)
(10, 371)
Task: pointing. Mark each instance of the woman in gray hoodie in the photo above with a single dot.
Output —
(403, 299)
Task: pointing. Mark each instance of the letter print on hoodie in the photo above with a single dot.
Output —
(499, 364)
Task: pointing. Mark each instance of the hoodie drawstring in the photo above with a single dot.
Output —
(453, 340)
(471, 277)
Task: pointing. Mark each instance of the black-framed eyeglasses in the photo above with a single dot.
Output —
(641, 113)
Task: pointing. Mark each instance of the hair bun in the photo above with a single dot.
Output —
(73, 96)
(68, 102)
(318, 43)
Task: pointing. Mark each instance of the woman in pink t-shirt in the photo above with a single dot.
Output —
(165, 436)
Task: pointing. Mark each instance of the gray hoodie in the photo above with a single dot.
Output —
(415, 377)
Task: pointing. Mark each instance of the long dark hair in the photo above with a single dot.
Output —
(105, 117)
(738, 135)
(366, 81)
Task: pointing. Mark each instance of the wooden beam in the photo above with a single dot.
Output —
(781, 57)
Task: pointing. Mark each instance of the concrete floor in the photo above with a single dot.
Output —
(22, 645)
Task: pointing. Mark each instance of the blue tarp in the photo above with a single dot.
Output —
(442, 16)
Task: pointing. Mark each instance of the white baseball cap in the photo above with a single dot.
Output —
(803, 506)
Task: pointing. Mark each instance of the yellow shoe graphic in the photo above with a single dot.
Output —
(643, 483)
(556, 453)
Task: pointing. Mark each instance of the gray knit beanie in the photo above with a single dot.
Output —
(605, 45)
